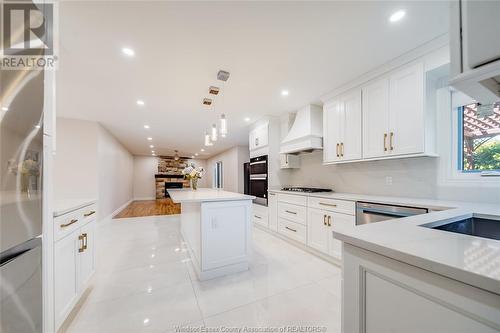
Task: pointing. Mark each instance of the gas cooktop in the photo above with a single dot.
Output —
(306, 189)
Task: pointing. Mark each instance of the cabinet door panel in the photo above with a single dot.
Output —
(338, 221)
(351, 131)
(317, 231)
(273, 211)
(66, 271)
(331, 130)
(375, 118)
(406, 111)
(87, 257)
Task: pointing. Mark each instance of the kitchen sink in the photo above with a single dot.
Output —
(474, 226)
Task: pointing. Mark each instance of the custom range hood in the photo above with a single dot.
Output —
(306, 133)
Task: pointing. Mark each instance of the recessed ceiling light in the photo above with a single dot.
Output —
(192, 156)
(4, 108)
(128, 51)
(202, 149)
(284, 93)
(153, 152)
(247, 119)
(396, 16)
(146, 126)
(151, 146)
(196, 154)
(37, 126)
(140, 102)
(150, 138)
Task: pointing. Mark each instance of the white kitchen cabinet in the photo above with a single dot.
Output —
(384, 295)
(260, 215)
(66, 269)
(338, 221)
(393, 114)
(342, 128)
(259, 137)
(272, 205)
(74, 258)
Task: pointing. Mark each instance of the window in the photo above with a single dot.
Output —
(479, 138)
(218, 175)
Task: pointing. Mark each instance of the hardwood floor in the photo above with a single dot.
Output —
(149, 208)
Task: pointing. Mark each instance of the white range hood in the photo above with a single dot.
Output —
(306, 133)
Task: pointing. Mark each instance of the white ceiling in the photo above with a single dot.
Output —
(308, 48)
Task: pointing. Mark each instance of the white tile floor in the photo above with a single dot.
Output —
(144, 282)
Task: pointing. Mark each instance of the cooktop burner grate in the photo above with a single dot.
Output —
(306, 189)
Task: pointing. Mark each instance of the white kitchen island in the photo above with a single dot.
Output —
(216, 226)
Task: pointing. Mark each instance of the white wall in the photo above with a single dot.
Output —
(115, 166)
(75, 162)
(232, 168)
(91, 163)
(145, 168)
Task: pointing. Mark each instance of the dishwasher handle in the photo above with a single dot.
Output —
(384, 212)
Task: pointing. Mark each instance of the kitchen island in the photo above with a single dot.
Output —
(216, 226)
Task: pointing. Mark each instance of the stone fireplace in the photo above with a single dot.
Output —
(170, 175)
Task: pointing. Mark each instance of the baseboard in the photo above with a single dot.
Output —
(144, 198)
(116, 211)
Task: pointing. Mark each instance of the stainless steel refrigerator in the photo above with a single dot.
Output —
(21, 152)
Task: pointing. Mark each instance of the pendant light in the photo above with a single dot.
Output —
(176, 155)
(214, 132)
(207, 139)
(223, 125)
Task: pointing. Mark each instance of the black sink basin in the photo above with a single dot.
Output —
(474, 226)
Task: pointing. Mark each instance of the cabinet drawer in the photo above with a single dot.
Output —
(293, 199)
(333, 205)
(292, 230)
(260, 219)
(67, 223)
(292, 212)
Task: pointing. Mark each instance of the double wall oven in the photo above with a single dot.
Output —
(258, 179)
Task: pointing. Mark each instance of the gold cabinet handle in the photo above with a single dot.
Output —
(327, 204)
(391, 141)
(385, 141)
(324, 219)
(92, 212)
(73, 221)
(257, 217)
(290, 212)
(81, 249)
(337, 150)
(84, 241)
(291, 229)
(329, 221)
(342, 149)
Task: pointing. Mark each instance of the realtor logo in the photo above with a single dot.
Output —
(27, 35)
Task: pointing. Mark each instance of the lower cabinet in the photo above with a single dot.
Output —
(272, 202)
(260, 215)
(320, 224)
(74, 264)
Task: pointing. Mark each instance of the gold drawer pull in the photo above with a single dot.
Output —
(92, 212)
(391, 147)
(337, 150)
(257, 217)
(324, 220)
(327, 204)
(81, 249)
(291, 229)
(342, 149)
(290, 212)
(69, 223)
(385, 141)
(329, 221)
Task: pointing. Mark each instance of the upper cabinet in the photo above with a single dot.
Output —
(342, 128)
(259, 137)
(393, 113)
(384, 118)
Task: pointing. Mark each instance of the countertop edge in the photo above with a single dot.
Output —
(71, 208)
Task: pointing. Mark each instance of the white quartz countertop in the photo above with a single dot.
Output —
(469, 259)
(205, 194)
(64, 206)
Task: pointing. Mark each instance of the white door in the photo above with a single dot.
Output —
(406, 111)
(375, 118)
(317, 230)
(338, 221)
(272, 202)
(351, 126)
(332, 118)
(251, 140)
(87, 257)
(66, 271)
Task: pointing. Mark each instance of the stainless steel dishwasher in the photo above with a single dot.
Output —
(368, 212)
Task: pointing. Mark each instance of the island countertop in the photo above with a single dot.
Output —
(205, 195)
